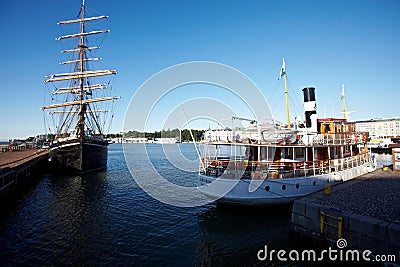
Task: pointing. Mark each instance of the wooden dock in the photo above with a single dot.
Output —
(16, 167)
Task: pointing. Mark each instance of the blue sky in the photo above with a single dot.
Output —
(325, 43)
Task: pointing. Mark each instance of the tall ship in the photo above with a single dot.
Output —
(275, 163)
(82, 105)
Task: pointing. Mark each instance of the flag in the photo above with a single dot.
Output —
(283, 69)
(342, 90)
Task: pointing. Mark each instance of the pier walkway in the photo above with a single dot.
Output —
(16, 166)
(14, 158)
(364, 211)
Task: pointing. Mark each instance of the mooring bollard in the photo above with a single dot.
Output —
(327, 189)
(385, 168)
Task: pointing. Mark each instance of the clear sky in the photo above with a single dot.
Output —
(325, 43)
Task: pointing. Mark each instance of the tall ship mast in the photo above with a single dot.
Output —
(80, 119)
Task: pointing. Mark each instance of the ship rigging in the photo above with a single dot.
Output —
(82, 100)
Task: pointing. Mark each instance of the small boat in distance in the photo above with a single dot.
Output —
(269, 164)
(84, 108)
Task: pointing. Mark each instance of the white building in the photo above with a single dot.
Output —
(379, 127)
(134, 140)
(166, 141)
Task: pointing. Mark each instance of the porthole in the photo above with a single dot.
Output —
(267, 188)
(283, 187)
(297, 185)
(314, 183)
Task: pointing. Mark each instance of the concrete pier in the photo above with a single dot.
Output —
(16, 167)
(364, 211)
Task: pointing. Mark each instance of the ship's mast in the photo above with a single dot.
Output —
(81, 115)
(286, 101)
(80, 107)
(283, 73)
(344, 103)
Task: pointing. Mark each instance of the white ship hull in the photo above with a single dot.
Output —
(276, 190)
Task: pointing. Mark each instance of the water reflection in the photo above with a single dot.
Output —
(233, 235)
(62, 210)
(107, 219)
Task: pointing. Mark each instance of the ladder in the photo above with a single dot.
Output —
(332, 222)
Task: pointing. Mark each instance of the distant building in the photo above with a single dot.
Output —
(134, 140)
(379, 127)
(166, 140)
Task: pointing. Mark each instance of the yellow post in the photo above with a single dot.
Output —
(340, 227)
(327, 189)
(322, 223)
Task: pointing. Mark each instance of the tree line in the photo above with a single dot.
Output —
(186, 137)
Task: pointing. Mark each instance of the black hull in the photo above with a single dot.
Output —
(82, 157)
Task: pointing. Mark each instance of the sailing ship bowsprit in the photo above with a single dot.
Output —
(80, 118)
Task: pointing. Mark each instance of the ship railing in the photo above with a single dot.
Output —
(345, 138)
(238, 168)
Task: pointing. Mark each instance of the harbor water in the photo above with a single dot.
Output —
(107, 219)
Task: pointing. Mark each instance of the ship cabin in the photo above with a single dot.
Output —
(333, 148)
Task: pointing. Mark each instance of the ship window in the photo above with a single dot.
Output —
(267, 153)
(267, 188)
(283, 187)
(327, 128)
(288, 153)
(299, 153)
(297, 185)
(313, 183)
